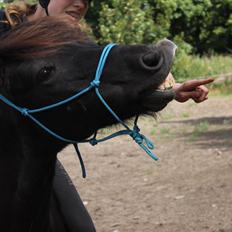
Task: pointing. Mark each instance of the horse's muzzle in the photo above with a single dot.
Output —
(154, 58)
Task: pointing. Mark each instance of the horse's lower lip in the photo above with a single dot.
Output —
(157, 100)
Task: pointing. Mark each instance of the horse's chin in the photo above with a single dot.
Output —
(157, 100)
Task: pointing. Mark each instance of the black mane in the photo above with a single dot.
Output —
(41, 38)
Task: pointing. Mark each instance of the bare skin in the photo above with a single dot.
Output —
(192, 89)
(75, 9)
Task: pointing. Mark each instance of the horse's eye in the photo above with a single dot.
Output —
(45, 72)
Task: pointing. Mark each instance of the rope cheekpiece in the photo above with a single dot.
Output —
(134, 133)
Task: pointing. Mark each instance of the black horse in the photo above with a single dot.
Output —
(45, 62)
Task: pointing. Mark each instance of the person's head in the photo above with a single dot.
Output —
(76, 9)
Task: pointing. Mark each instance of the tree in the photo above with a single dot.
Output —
(126, 22)
(206, 25)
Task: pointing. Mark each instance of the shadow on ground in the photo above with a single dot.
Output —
(218, 135)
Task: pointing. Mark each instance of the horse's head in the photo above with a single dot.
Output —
(49, 60)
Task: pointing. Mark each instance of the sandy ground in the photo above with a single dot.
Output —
(188, 189)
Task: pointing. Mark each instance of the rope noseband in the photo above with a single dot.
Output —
(134, 133)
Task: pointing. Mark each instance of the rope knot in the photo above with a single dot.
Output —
(95, 83)
(24, 112)
(138, 138)
(93, 142)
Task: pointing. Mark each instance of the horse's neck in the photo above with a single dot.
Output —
(26, 173)
(33, 193)
(9, 164)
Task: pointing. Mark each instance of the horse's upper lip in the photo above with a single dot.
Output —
(168, 45)
(170, 48)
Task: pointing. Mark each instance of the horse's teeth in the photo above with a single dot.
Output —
(168, 83)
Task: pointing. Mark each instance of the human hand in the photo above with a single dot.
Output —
(192, 89)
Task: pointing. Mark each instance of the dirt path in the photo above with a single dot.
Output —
(188, 189)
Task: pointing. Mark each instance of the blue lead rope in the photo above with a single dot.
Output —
(134, 133)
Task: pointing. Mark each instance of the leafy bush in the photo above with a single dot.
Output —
(121, 22)
(2, 5)
(206, 25)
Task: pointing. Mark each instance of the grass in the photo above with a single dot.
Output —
(221, 89)
(185, 115)
(188, 67)
(199, 129)
(167, 115)
(162, 132)
(165, 131)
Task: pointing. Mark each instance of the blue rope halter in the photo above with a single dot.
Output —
(134, 133)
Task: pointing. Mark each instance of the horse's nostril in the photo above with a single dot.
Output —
(151, 59)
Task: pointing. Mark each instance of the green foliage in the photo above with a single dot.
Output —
(120, 22)
(2, 4)
(206, 25)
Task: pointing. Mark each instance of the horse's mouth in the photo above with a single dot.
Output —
(168, 83)
(156, 99)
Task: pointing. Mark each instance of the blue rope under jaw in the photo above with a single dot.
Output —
(134, 133)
